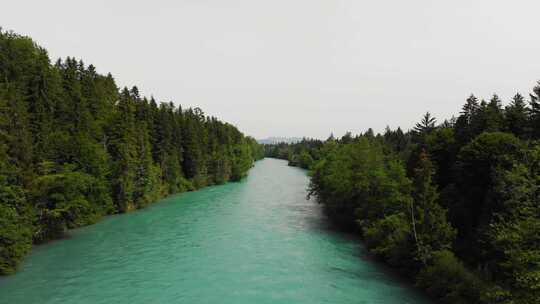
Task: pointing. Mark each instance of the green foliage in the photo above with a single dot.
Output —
(241, 162)
(475, 241)
(67, 199)
(431, 230)
(477, 164)
(441, 146)
(358, 179)
(513, 236)
(426, 125)
(303, 154)
(74, 148)
(15, 227)
(516, 116)
(534, 113)
(447, 279)
(390, 238)
(303, 160)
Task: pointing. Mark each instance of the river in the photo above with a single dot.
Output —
(256, 241)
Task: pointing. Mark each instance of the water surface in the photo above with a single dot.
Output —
(257, 241)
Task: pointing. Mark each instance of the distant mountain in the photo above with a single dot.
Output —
(277, 140)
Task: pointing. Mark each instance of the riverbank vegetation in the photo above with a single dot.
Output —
(299, 154)
(73, 148)
(455, 204)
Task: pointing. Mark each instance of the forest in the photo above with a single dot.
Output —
(74, 148)
(454, 205)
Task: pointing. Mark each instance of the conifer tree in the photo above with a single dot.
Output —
(123, 152)
(426, 125)
(467, 123)
(516, 116)
(73, 148)
(428, 219)
(534, 112)
(493, 115)
(16, 133)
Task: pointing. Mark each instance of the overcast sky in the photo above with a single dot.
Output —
(298, 67)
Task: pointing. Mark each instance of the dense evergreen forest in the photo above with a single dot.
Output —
(455, 204)
(73, 148)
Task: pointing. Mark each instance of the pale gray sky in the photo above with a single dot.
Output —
(298, 67)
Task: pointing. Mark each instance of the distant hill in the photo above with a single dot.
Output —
(277, 140)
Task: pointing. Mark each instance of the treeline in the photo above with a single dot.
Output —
(73, 148)
(301, 154)
(456, 204)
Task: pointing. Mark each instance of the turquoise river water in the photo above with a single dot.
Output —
(257, 241)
